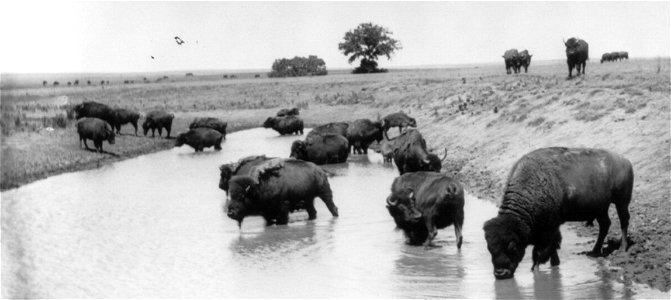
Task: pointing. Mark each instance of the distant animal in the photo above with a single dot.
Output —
(606, 57)
(512, 59)
(94, 109)
(339, 128)
(411, 155)
(157, 120)
(56, 83)
(321, 149)
(624, 55)
(615, 56)
(285, 125)
(398, 119)
(361, 133)
(213, 123)
(243, 166)
(44, 83)
(525, 59)
(179, 41)
(277, 187)
(125, 116)
(94, 129)
(152, 57)
(423, 202)
(288, 112)
(548, 187)
(200, 138)
(577, 54)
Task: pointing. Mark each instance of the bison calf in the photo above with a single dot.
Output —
(94, 129)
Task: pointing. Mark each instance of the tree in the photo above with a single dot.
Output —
(298, 66)
(367, 42)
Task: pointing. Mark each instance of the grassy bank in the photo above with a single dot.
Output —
(486, 119)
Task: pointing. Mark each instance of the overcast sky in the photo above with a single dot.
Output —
(122, 36)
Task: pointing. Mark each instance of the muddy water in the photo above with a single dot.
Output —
(153, 226)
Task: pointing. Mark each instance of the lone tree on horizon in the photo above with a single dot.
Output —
(367, 42)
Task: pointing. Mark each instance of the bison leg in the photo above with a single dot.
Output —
(168, 128)
(283, 215)
(577, 68)
(160, 131)
(584, 66)
(135, 126)
(604, 225)
(433, 231)
(554, 258)
(458, 223)
(310, 207)
(327, 196)
(217, 145)
(570, 70)
(622, 207)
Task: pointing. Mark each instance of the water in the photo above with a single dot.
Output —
(153, 226)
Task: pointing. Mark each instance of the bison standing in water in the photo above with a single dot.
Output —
(200, 138)
(94, 129)
(339, 128)
(158, 120)
(362, 133)
(285, 125)
(213, 123)
(423, 202)
(511, 59)
(125, 116)
(548, 187)
(410, 154)
(241, 167)
(577, 54)
(321, 149)
(277, 187)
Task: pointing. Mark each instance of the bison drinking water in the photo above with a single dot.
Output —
(548, 187)
(422, 202)
(285, 125)
(94, 129)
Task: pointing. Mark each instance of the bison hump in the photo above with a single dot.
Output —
(266, 169)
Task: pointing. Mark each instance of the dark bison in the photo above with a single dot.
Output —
(525, 60)
(93, 109)
(321, 149)
(512, 59)
(399, 119)
(548, 187)
(387, 150)
(606, 57)
(577, 54)
(288, 112)
(423, 202)
(125, 116)
(624, 55)
(213, 123)
(277, 187)
(362, 133)
(94, 129)
(285, 125)
(339, 128)
(410, 153)
(158, 119)
(615, 56)
(241, 167)
(200, 138)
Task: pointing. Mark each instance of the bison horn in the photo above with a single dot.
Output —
(247, 188)
(390, 202)
(445, 156)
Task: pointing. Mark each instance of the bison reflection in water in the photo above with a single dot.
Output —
(275, 188)
(422, 202)
(548, 187)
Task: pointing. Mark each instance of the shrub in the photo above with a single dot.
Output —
(298, 66)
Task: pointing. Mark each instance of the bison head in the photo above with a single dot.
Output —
(179, 140)
(299, 150)
(293, 112)
(243, 195)
(110, 136)
(269, 123)
(225, 174)
(434, 163)
(402, 207)
(506, 242)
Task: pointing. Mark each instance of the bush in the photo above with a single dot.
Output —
(298, 66)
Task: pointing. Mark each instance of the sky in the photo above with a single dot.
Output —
(57, 36)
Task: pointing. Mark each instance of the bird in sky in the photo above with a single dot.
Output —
(152, 57)
(179, 41)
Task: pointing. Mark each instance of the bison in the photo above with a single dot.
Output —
(241, 167)
(624, 55)
(158, 119)
(422, 202)
(321, 149)
(125, 116)
(200, 138)
(339, 128)
(525, 60)
(577, 54)
(362, 133)
(277, 187)
(288, 112)
(285, 125)
(548, 187)
(213, 123)
(606, 57)
(398, 119)
(94, 129)
(410, 154)
(511, 59)
(615, 56)
(93, 109)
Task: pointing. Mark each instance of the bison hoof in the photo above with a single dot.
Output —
(594, 254)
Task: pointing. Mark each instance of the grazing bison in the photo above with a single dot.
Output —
(525, 60)
(94, 129)
(339, 128)
(410, 153)
(125, 116)
(606, 57)
(241, 167)
(512, 59)
(422, 202)
(200, 138)
(362, 133)
(93, 109)
(577, 54)
(285, 125)
(158, 119)
(213, 123)
(321, 149)
(288, 112)
(277, 187)
(548, 187)
(624, 55)
(615, 56)
(399, 119)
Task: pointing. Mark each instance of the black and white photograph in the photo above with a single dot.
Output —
(314, 149)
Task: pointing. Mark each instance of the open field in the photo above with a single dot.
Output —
(486, 120)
